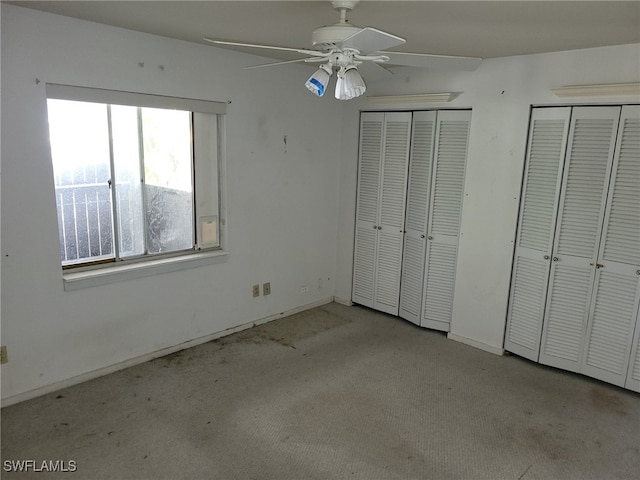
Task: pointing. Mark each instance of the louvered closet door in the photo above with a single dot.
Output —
(447, 189)
(367, 208)
(633, 373)
(534, 240)
(418, 193)
(614, 306)
(395, 160)
(586, 177)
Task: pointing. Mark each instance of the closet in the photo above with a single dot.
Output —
(408, 209)
(575, 286)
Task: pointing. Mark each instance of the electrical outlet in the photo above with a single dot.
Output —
(3, 354)
(266, 288)
(304, 288)
(256, 290)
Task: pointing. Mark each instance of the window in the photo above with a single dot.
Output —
(136, 176)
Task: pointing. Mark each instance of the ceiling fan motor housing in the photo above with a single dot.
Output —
(344, 4)
(327, 37)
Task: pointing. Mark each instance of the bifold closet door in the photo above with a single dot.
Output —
(592, 137)
(613, 312)
(382, 183)
(548, 132)
(445, 211)
(418, 194)
(367, 207)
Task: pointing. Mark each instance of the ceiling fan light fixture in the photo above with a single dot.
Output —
(317, 83)
(354, 83)
(343, 46)
(342, 93)
(350, 83)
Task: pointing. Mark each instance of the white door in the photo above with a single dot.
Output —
(382, 177)
(367, 208)
(395, 161)
(447, 190)
(418, 193)
(590, 151)
(614, 306)
(633, 374)
(548, 132)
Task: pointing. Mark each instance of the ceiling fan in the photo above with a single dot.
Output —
(345, 48)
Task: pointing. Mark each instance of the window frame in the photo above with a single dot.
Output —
(96, 272)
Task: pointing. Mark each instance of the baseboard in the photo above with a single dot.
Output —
(37, 392)
(343, 301)
(476, 344)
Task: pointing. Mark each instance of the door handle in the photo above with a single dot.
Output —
(421, 236)
(429, 237)
(556, 259)
(599, 265)
(546, 257)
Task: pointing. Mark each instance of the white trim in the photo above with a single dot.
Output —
(343, 301)
(117, 273)
(476, 344)
(413, 100)
(597, 90)
(21, 397)
(134, 99)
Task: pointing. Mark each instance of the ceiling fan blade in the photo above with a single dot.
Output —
(368, 40)
(425, 60)
(372, 71)
(271, 64)
(314, 53)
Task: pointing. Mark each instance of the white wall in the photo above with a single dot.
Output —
(291, 214)
(500, 93)
(282, 203)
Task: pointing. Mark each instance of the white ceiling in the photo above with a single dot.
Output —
(468, 28)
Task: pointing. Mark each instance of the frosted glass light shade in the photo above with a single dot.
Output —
(354, 84)
(318, 82)
(349, 84)
(340, 93)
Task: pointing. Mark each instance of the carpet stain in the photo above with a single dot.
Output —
(606, 401)
(552, 445)
(168, 360)
(289, 330)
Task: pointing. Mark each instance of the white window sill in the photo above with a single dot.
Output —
(118, 273)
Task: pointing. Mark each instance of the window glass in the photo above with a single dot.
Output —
(124, 180)
(128, 180)
(168, 179)
(80, 151)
